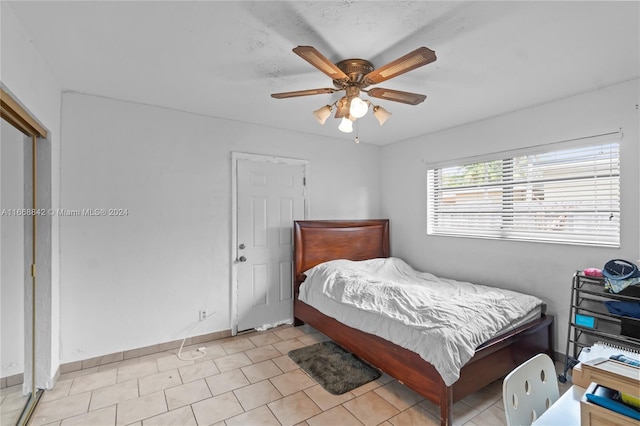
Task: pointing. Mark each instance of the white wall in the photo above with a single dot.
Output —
(133, 281)
(26, 75)
(544, 270)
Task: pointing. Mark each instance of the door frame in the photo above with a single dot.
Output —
(240, 156)
(37, 374)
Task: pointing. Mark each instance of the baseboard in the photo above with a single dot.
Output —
(558, 356)
(134, 353)
(18, 379)
(14, 379)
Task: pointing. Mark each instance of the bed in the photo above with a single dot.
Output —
(317, 242)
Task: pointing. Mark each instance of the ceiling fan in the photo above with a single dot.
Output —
(355, 76)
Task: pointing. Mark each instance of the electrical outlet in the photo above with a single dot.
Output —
(203, 315)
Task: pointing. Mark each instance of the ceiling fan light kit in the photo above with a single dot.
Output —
(322, 114)
(346, 125)
(381, 114)
(357, 107)
(354, 76)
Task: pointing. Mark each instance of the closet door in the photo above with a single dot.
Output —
(14, 268)
(19, 137)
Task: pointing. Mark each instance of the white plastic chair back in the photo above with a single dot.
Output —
(529, 390)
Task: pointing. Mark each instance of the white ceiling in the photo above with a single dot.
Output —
(224, 59)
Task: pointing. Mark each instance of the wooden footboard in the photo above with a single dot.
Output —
(494, 361)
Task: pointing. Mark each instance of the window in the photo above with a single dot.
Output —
(564, 193)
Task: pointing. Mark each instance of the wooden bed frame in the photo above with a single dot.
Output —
(319, 241)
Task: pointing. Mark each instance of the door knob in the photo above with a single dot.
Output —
(241, 246)
(242, 259)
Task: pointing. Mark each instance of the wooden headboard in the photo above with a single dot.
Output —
(317, 241)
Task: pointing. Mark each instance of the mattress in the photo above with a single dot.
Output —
(442, 320)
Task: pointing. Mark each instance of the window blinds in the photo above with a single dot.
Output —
(564, 195)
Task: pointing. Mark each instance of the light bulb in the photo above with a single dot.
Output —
(358, 108)
(381, 114)
(346, 125)
(322, 114)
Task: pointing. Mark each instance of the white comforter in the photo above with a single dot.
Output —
(442, 320)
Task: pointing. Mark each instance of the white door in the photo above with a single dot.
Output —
(270, 196)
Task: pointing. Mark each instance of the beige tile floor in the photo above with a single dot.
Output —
(11, 404)
(242, 380)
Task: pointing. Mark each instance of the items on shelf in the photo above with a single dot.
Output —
(620, 269)
(626, 360)
(592, 272)
(591, 319)
(620, 274)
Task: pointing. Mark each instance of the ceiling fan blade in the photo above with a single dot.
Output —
(284, 95)
(419, 57)
(318, 60)
(396, 95)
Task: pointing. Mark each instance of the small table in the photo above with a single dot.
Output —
(565, 411)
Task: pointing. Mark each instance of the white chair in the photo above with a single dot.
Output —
(529, 390)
